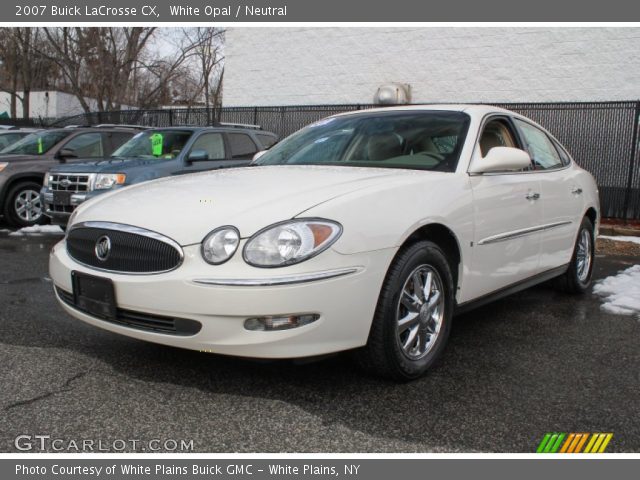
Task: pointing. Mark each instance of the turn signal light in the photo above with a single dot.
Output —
(266, 324)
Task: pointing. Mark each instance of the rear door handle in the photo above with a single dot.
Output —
(532, 196)
(576, 191)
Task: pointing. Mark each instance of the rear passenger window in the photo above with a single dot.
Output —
(241, 145)
(267, 141)
(543, 152)
(86, 145)
(212, 143)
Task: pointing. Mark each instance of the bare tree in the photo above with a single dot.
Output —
(208, 54)
(108, 67)
(98, 62)
(24, 65)
(10, 67)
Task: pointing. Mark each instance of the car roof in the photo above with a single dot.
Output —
(472, 109)
(220, 128)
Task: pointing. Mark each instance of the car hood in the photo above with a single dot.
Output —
(188, 207)
(105, 165)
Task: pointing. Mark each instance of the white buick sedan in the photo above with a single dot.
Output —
(368, 230)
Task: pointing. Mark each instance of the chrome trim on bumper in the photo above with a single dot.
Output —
(281, 280)
(521, 233)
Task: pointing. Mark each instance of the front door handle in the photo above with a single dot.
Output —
(532, 196)
(576, 191)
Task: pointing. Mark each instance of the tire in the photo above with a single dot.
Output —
(577, 278)
(22, 207)
(390, 352)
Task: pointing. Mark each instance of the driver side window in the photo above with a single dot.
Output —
(497, 133)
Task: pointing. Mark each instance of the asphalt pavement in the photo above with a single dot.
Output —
(539, 361)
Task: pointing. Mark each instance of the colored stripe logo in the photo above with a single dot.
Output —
(574, 443)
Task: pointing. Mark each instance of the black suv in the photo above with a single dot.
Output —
(156, 153)
(23, 165)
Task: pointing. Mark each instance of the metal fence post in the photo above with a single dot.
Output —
(632, 161)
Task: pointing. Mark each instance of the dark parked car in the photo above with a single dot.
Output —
(149, 155)
(23, 165)
(9, 136)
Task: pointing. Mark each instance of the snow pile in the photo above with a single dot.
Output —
(621, 292)
(37, 230)
(621, 239)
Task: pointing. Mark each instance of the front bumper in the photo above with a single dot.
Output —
(345, 303)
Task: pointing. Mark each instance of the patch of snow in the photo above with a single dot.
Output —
(621, 238)
(621, 292)
(37, 230)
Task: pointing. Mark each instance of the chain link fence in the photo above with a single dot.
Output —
(601, 136)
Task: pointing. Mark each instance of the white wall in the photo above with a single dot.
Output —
(297, 66)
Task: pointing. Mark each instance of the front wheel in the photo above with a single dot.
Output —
(22, 205)
(577, 278)
(413, 317)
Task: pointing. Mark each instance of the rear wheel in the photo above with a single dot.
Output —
(577, 278)
(413, 317)
(23, 207)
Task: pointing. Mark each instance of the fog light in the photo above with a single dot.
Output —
(263, 324)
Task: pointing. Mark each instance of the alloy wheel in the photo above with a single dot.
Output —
(27, 206)
(420, 312)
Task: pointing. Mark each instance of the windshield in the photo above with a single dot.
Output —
(36, 143)
(419, 140)
(155, 144)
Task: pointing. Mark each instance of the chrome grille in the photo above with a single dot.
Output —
(70, 182)
(131, 249)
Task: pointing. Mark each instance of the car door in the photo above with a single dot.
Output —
(560, 196)
(507, 217)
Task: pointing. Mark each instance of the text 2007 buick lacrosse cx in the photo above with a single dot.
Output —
(365, 230)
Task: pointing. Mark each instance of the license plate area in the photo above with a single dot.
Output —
(94, 295)
(62, 198)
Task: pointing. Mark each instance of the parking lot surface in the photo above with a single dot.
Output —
(539, 361)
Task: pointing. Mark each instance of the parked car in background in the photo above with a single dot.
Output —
(9, 136)
(24, 163)
(366, 231)
(149, 155)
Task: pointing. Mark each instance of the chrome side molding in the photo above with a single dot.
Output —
(502, 237)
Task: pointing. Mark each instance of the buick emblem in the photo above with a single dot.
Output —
(103, 248)
(64, 183)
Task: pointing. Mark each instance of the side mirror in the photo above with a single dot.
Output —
(198, 156)
(501, 159)
(257, 155)
(67, 153)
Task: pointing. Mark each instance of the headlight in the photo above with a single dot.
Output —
(45, 183)
(220, 245)
(290, 242)
(3, 165)
(108, 180)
